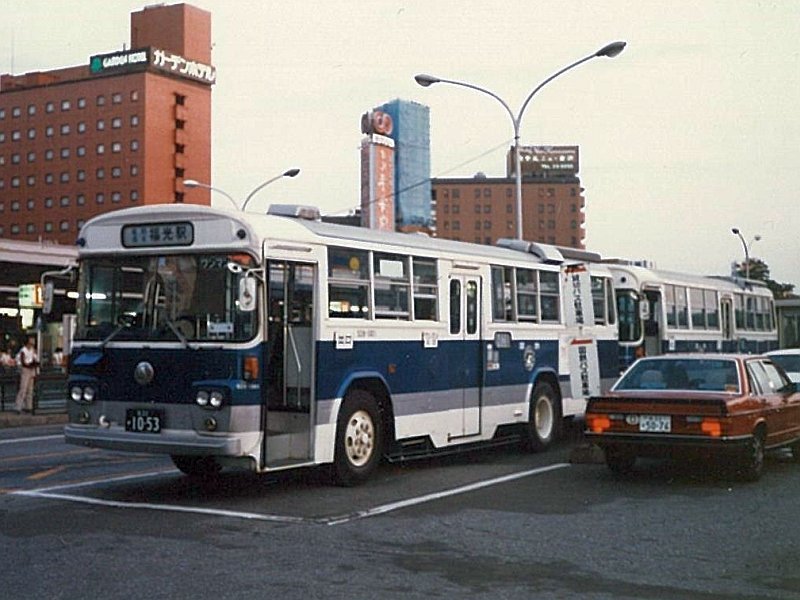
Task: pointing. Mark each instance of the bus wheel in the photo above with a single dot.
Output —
(358, 439)
(197, 466)
(544, 419)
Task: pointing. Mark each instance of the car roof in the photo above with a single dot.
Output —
(784, 351)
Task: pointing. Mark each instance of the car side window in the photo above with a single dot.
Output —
(760, 379)
(776, 378)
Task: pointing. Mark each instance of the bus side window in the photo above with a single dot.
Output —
(455, 306)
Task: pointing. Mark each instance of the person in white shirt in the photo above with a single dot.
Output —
(28, 361)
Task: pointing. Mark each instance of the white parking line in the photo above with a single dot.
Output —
(385, 508)
(32, 439)
(50, 493)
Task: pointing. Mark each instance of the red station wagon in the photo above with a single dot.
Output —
(670, 406)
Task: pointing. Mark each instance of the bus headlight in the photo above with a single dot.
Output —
(202, 398)
(216, 399)
(85, 394)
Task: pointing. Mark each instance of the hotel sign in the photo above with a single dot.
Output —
(162, 60)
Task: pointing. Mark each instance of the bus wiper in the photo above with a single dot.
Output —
(178, 334)
(123, 322)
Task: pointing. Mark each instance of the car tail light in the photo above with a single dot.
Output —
(598, 423)
(711, 427)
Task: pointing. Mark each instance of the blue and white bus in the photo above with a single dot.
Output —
(661, 312)
(276, 341)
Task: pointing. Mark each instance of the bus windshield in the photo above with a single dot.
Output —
(630, 329)
(184, 297)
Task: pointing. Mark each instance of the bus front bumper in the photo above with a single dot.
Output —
(166, 442)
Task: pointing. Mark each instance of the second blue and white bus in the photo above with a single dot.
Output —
(272, 342)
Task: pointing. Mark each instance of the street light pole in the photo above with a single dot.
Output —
(289, 173)
(192, 183)
(611, 50)
(746, 246)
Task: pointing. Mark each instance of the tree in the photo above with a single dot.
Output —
(759, 271)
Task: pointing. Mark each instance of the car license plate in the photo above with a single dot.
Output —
(655, 423)
(144, 420)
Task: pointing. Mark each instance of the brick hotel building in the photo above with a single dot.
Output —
(123, 130)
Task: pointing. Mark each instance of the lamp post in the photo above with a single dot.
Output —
(191, 183)
(747, 247)
(289, 173)
(611, 50)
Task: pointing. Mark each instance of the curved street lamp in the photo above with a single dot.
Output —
(611, 50)
(747, 247)
(289, 173)
(191, 183)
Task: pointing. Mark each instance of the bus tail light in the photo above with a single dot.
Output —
(250, 368)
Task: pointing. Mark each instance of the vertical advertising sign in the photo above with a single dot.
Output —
(377, 172)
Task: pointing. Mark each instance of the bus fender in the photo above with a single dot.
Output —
(374, 383)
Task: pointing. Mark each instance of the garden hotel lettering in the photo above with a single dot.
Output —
(162, 60)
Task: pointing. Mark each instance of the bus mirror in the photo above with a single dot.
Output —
(247, 294)
(47, 300)
(644, 310)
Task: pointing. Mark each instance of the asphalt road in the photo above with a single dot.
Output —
(82, 523)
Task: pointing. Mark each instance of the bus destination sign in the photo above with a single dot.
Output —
(158, 234)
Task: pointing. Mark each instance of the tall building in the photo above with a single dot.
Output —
(483, 209)
(396, 167)
(122, 130)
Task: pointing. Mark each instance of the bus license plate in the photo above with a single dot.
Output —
(143, 420)
(655, 423)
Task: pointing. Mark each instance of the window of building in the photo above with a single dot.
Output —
(116, 147)
(14, 229)
(116, 172)
(49, 131)
(65, 129)
(116, 98)
(116, 123)
(80, 151)
(31, 204)
(180, 99)
(135, 96)
(64, 200)
(16, 135)
(48, 226)
(82, 127)
(30, 228)
(116, 196)
(100, 173)
(49, 154)
(101, 124)
(178, 197)
(64, 225)
(80, 223)
(48, 202)
(100, 197)
(15, 181)
(180, 148)
(134, 145)
(134, 170)
(64, 177)
(31, 180)
(16, 112)
(101, 148)
(15, 206)
(15, 159)
(65, 105)
(81, 102)
(134, 120)
(80, 199)
(31, 133)
(2, 137)
(49, 107)
(101, 101)
(65, 153)
(180, 123)
(134, 195)
(2, 113)
(49, 179)
(80, 175)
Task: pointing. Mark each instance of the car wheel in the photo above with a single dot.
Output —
(752, 462)
(197, 466)
(620, 461)
(358, 439)
(544, 419)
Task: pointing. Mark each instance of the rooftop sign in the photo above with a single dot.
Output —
(163, 60)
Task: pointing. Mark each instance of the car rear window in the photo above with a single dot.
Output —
(711, 375)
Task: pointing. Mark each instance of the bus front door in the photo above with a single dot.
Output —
(288, 407)
(466, 359)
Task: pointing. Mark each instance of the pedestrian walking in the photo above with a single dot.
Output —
(28, 361)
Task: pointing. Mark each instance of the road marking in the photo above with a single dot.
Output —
(32, 439)
(49, 493)
(392, 506)
(46, 473)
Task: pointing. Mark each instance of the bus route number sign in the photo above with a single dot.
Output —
(158, 234)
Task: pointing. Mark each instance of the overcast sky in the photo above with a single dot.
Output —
(692, 130)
